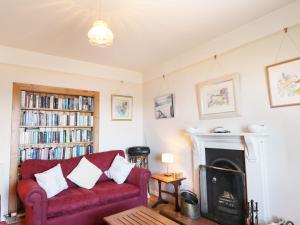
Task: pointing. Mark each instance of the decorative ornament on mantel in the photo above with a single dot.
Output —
(220, 130)
(100, 35)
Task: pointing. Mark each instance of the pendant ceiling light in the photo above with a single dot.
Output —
(100, 35)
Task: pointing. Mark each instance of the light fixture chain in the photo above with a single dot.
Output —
(99, 10)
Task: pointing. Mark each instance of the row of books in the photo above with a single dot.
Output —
(54, 135)
(38, 118)
(56, 153)
(43, 101)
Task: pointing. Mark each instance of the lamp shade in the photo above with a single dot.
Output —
(100, 35)
(167, 158)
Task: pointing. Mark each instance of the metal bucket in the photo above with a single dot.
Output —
(190, 205)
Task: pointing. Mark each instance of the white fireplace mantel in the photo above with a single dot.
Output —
(250, 140)
(253, 144)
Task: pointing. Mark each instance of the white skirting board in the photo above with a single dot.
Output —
(1, 189)
(4, 186)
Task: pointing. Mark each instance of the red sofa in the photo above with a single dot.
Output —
(75, 205)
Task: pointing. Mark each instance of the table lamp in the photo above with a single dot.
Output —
(167, 158)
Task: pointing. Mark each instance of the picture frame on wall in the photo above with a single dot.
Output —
(219, 98)
(283, 80)
(164, 106)
(121, 107)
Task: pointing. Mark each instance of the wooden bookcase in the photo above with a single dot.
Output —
(58, 103)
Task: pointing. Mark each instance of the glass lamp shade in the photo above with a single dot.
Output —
(167, 158)
(100, 35)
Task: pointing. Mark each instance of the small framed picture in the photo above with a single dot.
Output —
(283, 81)
(164, 106)
(219, 97)
(121, 107)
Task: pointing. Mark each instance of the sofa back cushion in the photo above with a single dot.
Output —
(103, 160)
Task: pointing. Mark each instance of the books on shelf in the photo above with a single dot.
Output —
(54, 135)
(55, 153)
(55, 126)
(40, 118)
(30, 100)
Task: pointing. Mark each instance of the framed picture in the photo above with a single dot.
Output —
(283, 81)
(219, 97)
(164, 106)
(121, 107)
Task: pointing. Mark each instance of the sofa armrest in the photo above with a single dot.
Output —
(35, 201)
(139, 177)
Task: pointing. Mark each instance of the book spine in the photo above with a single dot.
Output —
(23, 99)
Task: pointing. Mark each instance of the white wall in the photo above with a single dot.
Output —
(20, 57)
(287, 16)
(113, 134)
(167, 135)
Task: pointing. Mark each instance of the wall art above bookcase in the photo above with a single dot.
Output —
(51, 123)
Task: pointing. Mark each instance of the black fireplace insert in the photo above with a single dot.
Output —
(223, 186)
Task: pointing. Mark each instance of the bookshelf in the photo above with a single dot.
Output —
(50, 123)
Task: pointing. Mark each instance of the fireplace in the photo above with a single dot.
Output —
(252, 148)
(223, 186)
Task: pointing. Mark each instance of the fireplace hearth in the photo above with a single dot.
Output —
(223, 186)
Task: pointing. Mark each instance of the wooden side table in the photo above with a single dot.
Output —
(176, 182)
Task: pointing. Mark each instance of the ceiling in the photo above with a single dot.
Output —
(147, 32)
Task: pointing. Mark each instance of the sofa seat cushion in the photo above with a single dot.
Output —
(71, 200)
(75, 199)
(109, 192)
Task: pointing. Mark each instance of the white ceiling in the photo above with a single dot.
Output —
(147, 32)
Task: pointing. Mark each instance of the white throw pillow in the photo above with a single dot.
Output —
(85, 174)
(52, 181)
(119, 169)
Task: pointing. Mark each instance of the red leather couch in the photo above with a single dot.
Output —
(75, 205)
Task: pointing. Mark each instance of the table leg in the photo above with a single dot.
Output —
(159, 190)
(160, 200)
(176, 187)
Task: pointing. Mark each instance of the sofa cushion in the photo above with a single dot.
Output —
(119, 169)
(103, 160)
(85, 174)
(76, 199)
(71, 200)
(109, 192)
(52, 181)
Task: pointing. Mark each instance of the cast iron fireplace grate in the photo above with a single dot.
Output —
(223, 187)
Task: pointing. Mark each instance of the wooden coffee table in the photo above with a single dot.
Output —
(137, 216)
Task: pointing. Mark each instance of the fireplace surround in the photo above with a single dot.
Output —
(251, 146)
